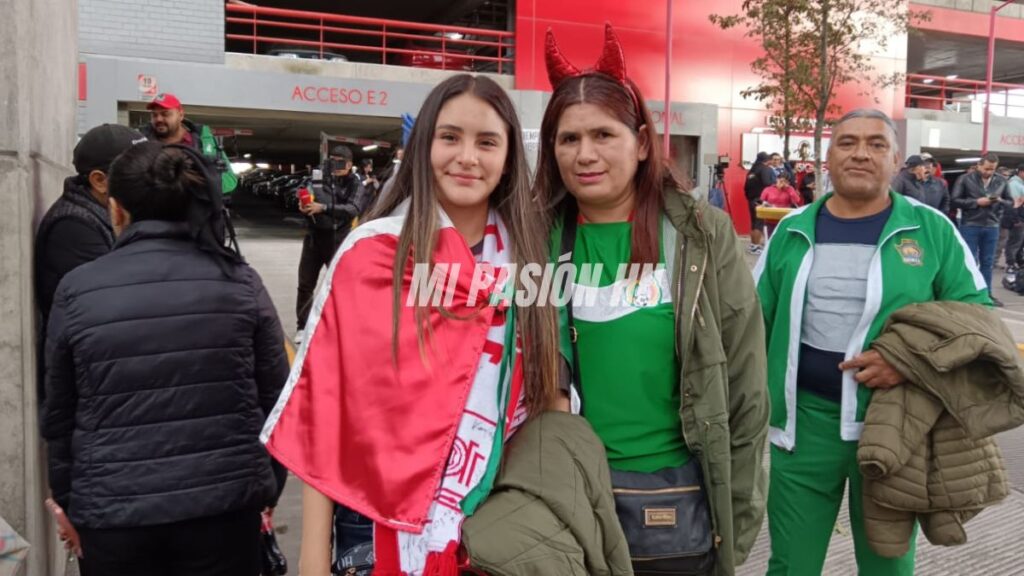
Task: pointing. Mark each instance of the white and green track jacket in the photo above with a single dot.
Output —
(920, 257)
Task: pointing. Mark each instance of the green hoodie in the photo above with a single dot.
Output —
(920, 257)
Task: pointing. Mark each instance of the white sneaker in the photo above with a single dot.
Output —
(299, 336)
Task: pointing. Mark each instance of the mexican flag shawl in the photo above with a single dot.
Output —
(411, 442)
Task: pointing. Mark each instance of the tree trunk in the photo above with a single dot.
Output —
(823, 98)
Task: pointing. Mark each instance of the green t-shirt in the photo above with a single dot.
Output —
(628, 362)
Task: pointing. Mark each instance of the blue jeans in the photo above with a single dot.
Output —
(982, 241)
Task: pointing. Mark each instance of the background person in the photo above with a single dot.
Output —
(759, 177)
(982, 196)
(169, 126)
(1013, 221)
(935, 188)
(328, 222)
(76, 229)
(163, 359)
(910, 180)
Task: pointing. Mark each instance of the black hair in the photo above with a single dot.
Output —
(990, 157)
(153, 181)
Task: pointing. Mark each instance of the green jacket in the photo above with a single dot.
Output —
(920, 258)
(551, 511)
(720, 343)
(722, 353)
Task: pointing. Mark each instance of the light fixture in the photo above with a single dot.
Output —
(967, 160)
(246, 155)
(928, 80)
(240, 167)
(454, 36)
(952, 77)
(369, 148)
(263, 165)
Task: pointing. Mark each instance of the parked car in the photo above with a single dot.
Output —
(307, 53)
(454, 56)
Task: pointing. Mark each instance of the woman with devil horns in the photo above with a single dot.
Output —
(669, 347)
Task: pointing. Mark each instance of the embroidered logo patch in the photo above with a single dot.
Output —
(644, 292)
(911, 252)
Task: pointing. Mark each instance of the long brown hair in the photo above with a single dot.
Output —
(652, 174)
(526, 221)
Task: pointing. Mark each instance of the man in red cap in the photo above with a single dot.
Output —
(168, 125)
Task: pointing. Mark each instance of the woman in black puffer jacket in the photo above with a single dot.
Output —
(164, 358)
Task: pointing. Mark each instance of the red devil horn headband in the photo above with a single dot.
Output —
(611, 61)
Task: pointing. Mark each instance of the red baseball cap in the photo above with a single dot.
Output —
(164, 100)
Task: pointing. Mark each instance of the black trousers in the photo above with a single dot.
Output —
(224, 545)
(1014, 243)
(318, 250)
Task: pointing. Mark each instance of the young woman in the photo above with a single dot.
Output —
(398, 406)
(164, 358)
(671, 362)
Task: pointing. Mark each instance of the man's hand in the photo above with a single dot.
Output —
(984, 201)
(312, 208)
(873, 371)
(65, 530)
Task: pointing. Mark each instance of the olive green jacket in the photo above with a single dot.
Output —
(720, 343)
(551, 512)
(721, 347)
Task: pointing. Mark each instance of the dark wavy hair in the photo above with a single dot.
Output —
(153, 181)
(652, 174)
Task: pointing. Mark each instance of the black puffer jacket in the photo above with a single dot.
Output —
(75, 230)
(160, 372)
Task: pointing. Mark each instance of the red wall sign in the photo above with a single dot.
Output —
(336, 95)
(675, 119)
(1012, 140)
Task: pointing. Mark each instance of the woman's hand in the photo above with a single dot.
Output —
(68, 534)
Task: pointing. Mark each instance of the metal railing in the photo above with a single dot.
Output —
(262, 30)
(962, 95)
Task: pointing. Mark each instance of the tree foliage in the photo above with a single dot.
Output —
(811, 48)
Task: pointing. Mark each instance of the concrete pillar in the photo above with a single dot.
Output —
(38, 55)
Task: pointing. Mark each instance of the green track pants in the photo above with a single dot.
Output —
(806, 492)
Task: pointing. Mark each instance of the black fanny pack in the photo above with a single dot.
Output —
(666, 519)
(665, 514)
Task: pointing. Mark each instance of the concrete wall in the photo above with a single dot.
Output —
(955, 131)
(38, 54)
(186, 30)
(1011, 11)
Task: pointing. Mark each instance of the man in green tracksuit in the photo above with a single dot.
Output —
(829, 278)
